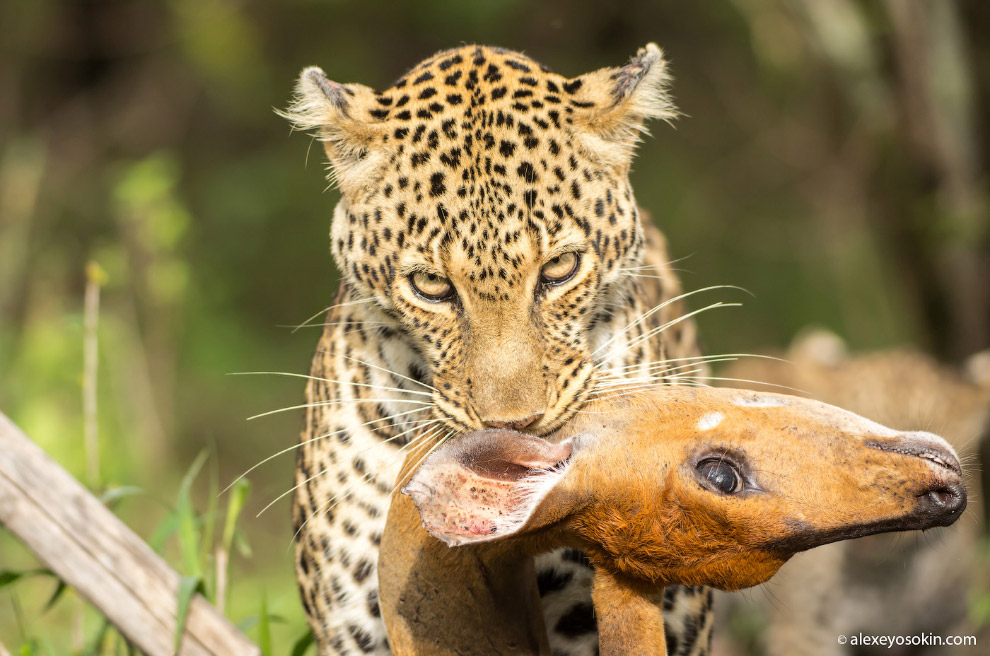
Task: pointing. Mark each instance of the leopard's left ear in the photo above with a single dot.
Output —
(610, 106)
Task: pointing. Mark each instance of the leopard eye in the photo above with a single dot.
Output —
(560, 269)
(431, 286)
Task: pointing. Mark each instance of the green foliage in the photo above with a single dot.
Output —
(200, 560)
(188, 586)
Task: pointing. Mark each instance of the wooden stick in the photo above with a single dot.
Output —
(89, 548)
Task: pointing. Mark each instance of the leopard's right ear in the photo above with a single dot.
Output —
(342, 116)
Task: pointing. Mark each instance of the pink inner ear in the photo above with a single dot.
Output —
(480, 485)
(502, 454)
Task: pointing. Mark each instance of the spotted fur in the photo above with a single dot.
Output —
(478, 166)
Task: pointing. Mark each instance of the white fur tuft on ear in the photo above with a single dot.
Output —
(338, 116)
(621, 101)
(645, 83)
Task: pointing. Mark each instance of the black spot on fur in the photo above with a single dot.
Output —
(362, 570)
(373, 608)
(363, 639)
(579, 620)
(572, 86)
(550, 580)
(437, 187)
(450, 61)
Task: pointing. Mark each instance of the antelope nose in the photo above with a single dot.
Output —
(945, 497)
(514, 424)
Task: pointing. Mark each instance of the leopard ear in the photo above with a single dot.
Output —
(611, 105)
(343, 117)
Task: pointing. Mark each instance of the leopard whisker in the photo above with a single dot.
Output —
(619, 391)
(389, 371)
(654, 266)
(411, 470)
(753, 382)
(328, 380)
(324, 471)
(643, 317)
(315, 439)
(703, 359)
(645, 275)
(612, 396)
(306, 323)
(642, 380)
(333, 323)
(660, 372)
(337, 498)
(659, 329)
(337, 402)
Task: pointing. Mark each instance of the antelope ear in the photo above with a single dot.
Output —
(343, 117)
(611, 105)
(486, 484)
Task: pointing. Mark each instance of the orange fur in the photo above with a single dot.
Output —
(626, 485)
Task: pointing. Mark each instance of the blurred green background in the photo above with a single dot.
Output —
(830, 160)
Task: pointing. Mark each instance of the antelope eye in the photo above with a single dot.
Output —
(560, 269)
(721, 475)
(431, 286)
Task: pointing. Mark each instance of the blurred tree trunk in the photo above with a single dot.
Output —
(935, 85)
(909, 146)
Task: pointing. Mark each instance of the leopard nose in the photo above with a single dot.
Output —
(514, 424)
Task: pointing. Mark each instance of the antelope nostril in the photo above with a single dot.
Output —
(949, 497)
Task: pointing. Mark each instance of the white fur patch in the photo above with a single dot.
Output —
(710, 421)
(759, 401)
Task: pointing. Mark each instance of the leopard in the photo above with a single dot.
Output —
(495, 272)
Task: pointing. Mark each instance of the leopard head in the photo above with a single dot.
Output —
(486, 211)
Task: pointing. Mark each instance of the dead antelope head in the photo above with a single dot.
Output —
(714, 487)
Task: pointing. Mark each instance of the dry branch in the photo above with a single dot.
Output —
(94, 552)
